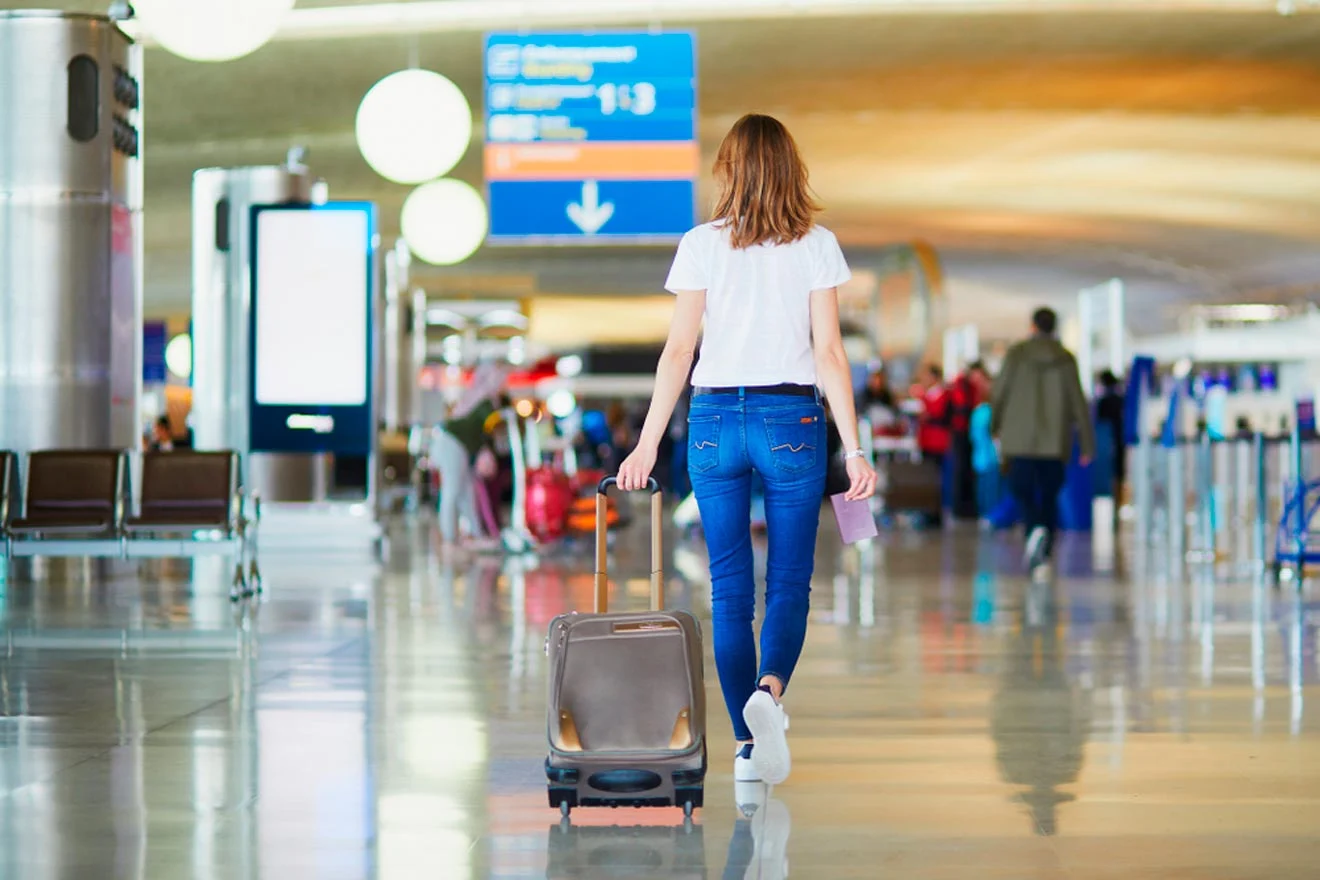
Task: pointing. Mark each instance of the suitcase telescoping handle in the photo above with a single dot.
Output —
(602, 562)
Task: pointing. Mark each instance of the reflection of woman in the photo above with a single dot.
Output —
(763, 277)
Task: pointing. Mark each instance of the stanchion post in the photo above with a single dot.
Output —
(1259, 528)
(1177, 502)
(1141, 489)
(1205, 496)
(1299, 498)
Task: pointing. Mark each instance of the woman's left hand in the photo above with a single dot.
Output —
(636, 469)
(861, 477)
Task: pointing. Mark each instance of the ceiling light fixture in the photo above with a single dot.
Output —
(202, 30)
(444, 221)
(413, 126)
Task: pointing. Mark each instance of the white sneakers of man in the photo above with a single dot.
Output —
(768, 722)
(1034, 553)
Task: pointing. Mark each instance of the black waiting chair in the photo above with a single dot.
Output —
(9, 485)
(73, 495)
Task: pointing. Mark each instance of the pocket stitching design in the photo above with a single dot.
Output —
(710, 458)
(792, 457)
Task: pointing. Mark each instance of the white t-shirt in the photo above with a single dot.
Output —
(758, 304)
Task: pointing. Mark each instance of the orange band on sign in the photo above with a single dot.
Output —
(598, 161)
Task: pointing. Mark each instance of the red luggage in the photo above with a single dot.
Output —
(549, 496)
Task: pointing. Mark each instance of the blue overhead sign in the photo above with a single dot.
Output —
(590, 138)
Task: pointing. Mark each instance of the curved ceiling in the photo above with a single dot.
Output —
(1039, 151)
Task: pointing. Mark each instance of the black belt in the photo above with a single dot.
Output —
(786, 388)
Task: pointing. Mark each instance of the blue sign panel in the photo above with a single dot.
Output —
(629, 209)
(155, 336)
(591, 138)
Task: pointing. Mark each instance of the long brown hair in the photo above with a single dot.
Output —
(763, 192)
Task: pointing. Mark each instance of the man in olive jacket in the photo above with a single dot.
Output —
(1036, 411)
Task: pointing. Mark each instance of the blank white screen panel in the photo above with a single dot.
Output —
(311, 300)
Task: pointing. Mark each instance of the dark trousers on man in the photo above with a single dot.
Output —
(1036, 484)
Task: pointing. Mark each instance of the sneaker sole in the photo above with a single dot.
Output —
(770, 757)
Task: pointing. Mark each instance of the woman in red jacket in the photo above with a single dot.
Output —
(934, 429)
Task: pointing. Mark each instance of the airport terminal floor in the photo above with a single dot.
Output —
(950, 719)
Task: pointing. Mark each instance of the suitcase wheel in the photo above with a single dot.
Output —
(563, 798)
(689, 799)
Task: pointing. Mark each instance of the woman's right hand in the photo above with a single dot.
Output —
(861, 477)
(635, 471)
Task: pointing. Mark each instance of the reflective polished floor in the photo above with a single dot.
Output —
(950, 719)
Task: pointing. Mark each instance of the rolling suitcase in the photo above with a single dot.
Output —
(626, 713)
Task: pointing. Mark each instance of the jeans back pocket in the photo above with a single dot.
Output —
(703, 442)
(794, 442)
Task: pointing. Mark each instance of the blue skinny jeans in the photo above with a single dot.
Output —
(781, 439)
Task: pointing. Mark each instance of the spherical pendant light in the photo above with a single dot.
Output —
(413, 126)
(203, 30)
(444, 221)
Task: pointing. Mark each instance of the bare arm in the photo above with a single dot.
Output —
(670, 377)
(832, 369)
(835, 377)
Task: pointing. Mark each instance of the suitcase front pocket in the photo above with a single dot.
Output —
(629, 690)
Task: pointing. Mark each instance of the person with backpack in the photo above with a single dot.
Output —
(1038, 411)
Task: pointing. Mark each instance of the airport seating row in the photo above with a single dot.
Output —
(78, 503)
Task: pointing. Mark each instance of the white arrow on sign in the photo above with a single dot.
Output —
(590, 215)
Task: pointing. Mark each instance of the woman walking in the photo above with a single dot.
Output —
(764, 278)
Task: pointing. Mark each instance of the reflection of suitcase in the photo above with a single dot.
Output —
(653, 851)
(627, 700)
(913, 487)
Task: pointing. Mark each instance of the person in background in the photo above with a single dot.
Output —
(933, 435)
(162, 437)
(454, 447)
(877, 401)
(965, 392)
(985, 457)
(1036, 408)
(933, 425)
(1109, 416)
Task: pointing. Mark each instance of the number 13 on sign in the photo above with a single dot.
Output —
(638, 99)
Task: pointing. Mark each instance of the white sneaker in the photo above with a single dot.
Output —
(768, 723)
(743, 770)
(1034, 554)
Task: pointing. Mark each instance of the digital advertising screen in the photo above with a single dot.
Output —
(313, 275)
